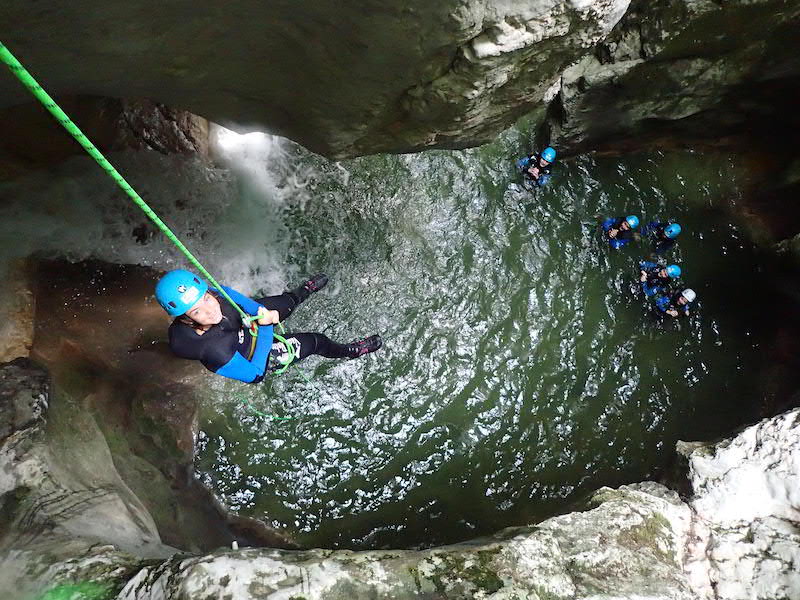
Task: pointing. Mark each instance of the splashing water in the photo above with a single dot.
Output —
(521, 368)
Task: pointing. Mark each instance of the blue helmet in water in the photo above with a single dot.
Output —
(549, 154)
(672, 230)
(179, 290)
(674, 271)
(633, 221)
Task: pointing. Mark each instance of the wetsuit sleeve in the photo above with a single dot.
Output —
(250, 306)
(543, 179)
(646, 265)
(240, 368)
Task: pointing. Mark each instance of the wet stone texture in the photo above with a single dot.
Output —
(32, 139)
(746, 541)
(16, 312)
(71, 525)
(62, 503)
(343, 80)
(630, 545)
(683, 72)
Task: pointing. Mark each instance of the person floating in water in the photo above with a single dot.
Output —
(663, 235)
(535, 168)
(656, 278)
(207, 328)
(677, 304)
(620, 230)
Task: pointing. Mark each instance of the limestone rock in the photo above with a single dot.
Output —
(61, 499)
(33, 139)
(16, 313)
(342, 79)
(629, 546)
(746, 542)
(681, 72)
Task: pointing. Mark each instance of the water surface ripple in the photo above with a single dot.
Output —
(521, 368)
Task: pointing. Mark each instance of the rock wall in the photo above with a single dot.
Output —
(71, 526)
(686, 72)
(342, 79)
(629, 546)
(32, 138)
(376, 77)
(746, 505)
(60, 495)
(17, 307)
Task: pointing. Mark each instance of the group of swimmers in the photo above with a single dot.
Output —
(659, 281)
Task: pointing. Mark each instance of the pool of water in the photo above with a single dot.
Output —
(521, 368)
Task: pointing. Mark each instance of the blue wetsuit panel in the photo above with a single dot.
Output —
(250, 371)
(662, 303)
(650, 289)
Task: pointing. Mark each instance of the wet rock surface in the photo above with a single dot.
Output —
(17, 308)
(683, 72)
(70, 523)
(746, 505)
(32, 139)
(60, 496)
(628, 546)
(341, 80)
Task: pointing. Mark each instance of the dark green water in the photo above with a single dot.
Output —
(521, 368)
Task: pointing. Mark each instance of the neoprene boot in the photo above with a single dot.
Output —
(314, 284)
(365, 346)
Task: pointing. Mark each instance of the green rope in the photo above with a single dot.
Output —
(29, 82)
(255, 411)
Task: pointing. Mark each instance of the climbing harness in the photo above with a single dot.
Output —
(290, 354)
(42, 96)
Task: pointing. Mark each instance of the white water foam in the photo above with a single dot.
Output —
(227, 211)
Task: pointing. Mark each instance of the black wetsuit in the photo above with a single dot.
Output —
(534, 160)
(661, 243)
(228, 348)
(623, 237)
(654, 282)
(665, 303)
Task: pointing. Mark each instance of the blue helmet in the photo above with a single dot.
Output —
(674, 271)
(672, 230)
(549, 154)
(179, 290)
(633, 221)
